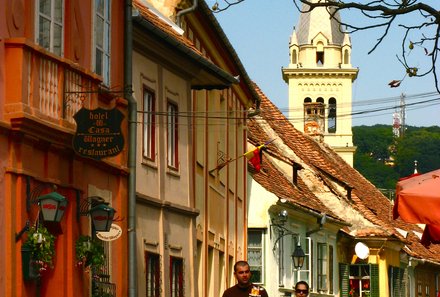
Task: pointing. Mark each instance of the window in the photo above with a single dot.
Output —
(320, 54)
(332, 115)
(322, 267)
(255, 255)
(148, 123)
(363, 281)
(176, 277)
(152, 264)
(294, 57)
(305, 272)
(346, 57)
(102, 39)
(307, 106)
(50, 25)
(172, 135)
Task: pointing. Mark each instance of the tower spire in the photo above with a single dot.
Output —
(320, 77)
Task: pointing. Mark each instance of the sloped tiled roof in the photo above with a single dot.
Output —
(365, 198)
(274, 181)
(319, 21)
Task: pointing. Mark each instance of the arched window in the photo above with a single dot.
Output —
(307, 100)
(331, 115)
(320, 54)
(346, 57)
(294, 57)
(321, 108)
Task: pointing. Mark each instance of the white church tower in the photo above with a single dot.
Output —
(320, 77)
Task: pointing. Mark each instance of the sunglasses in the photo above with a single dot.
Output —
(301, 291)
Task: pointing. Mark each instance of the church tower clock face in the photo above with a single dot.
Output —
(320, 78)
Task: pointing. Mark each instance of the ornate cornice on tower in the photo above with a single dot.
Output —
(320, 77)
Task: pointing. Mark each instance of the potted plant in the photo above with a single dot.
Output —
(89, 253)
(38, 252)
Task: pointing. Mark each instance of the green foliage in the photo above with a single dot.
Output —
(89, 253)
(379, 174)
(376, 145)
(421, 145)
(42, 245)
(374, 141)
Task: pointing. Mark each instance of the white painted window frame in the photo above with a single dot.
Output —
(52, 23)
(105, 49)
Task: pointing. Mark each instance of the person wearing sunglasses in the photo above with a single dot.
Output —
(244, 286)
(301, 289)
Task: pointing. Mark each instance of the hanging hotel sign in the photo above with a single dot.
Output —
(98, 134)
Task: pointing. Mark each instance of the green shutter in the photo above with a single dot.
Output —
(374, 280)
(396, 279)
(344, 279)
(402, 281)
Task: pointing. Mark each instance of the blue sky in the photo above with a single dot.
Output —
(259, 31)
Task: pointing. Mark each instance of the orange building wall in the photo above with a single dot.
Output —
(34, 145)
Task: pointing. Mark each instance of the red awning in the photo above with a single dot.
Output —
(418, 202)
(418, 199)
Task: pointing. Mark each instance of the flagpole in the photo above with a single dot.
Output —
(220, 166)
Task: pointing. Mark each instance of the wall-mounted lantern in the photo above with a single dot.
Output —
(298, 257)
(102, 217)
(100, 212)
(52, 206)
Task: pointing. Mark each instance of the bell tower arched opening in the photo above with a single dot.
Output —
(331, 115)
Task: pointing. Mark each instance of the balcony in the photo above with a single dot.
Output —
(44, 88)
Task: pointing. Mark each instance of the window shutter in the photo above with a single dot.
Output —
(374, 280)
(396, 281)
(404, 282)
(344, 283)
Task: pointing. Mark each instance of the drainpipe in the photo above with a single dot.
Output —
(257, 109)
(132, 131)
(185, 11)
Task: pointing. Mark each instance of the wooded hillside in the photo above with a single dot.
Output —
(383, 159)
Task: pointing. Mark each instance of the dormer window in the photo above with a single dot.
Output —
(294, 57)
(346, 57)
(320, 58)
(320, 54)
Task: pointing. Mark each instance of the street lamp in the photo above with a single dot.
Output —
(278, 224)
(298, 257)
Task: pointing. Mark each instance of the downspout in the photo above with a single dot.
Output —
(185, 11)
(257, 109)
(132, 131)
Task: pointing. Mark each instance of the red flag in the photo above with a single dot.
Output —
(256, 160)
(254, 157)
